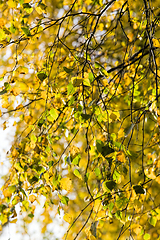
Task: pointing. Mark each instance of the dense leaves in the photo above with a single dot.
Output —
(82, 78)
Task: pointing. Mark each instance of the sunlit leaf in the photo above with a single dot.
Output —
(12, 3)
(65, 200)
(67, 217)
(118, 214)
(153, 220)
(66, 184)
(32, 198)
(77, 174)
(146, 236)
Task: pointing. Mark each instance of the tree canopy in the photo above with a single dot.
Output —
(82, 78)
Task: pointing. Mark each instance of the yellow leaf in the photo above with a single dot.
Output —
(27, 119)
(74, 151)
(13, 221)
(2, 35)
(150, 174)
(22, 70)
(5, 105)
(156, 43)
(20, 106)
(61, 60)
(76, 81)
(137, 229)
(44, 228)
(67, 217)
(4, 219)
(113, 116)
(1, 22)
(86, 82)
(7, 193)
(97, 205)
(121, 133)
(15, 91)
(14, 153)
(4, 125)
(158, 120)
(32, 198)
(121, 157)
(66, 184)
(12, 3)
(101, 26)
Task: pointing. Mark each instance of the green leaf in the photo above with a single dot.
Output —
(2, 207)
(106, 150)
(41, 76)
(58, 210)
(26, 16)
(41, 122)
(111, 206)
(65, 200)
(91, 77)
(33, 180)
(31, 215)
(12, 188)
(12, 28)
(27, 8)
(7, 86)
(33, 138)
(110, 184)
(26, 5)
(71, 101)
(6, 31)
(70, 89)
(68, 70)
(23, 192)
(118, 215)
(138, 189)
(104, 72)
(54, 114)
(86, 177)
(99, 145)
(2, 35)
(146, 236)
(26, 31)
(76, 160)
(42, 5)
(3, 92)
(97, 171)
(93, 228)
(77, 174)
(98, 65)
(116, 176)
(153, 221)
(121, 202)
(85, 116)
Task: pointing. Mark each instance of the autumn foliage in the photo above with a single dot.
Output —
(81, 79)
